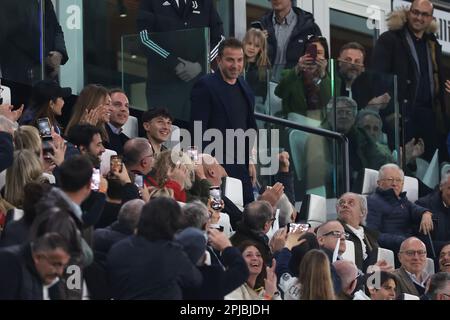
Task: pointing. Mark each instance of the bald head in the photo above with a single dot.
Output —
(413, 256)
(420, 16)
(348, 273)
(138, 155)
(329, 233)
(214, 172)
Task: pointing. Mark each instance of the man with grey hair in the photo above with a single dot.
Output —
(412, 275)
(439, 287)
(391, 213)
(363, 152)
(125, 226)
(439, 203)
(351, 210)
(257, 218)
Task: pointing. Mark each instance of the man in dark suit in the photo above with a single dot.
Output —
(120, 113)
(224, 101)
(27, 269)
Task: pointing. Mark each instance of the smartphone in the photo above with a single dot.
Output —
(45, 129)
(257, 25)
(95, 182)
(292, 227)
(311, 49)
(116, 163)
(216, 198)
(193, 154)
(139, 180)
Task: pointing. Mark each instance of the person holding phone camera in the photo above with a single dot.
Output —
(288, 28)
(306, 88)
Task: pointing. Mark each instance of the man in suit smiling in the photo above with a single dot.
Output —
(222, 101)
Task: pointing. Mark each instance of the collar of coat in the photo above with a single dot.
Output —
(397, 19)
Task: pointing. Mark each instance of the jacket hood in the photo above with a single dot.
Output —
(396, 20)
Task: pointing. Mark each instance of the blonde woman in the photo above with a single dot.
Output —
(315, 277)
(27, 137)
(173, 170)
(93, 107)
(25, 168)
(256, 61)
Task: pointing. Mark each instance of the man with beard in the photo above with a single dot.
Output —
(356, 83)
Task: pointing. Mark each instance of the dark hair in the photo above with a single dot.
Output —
(58, 220)
(50, 241)
(75, 173)
(156, 112)
(229, 43)
(115, 187)
(259, 283)
(256, 214)
(383, 276)
(160, 219)
(34, 193)
(116, 90)
(82, 134)
(353, 45)
(322, 41)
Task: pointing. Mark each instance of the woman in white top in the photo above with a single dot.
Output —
(262, 281)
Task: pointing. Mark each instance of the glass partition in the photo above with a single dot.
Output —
(316, 162)
(23, 46)
(160, 69)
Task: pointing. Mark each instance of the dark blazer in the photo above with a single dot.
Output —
(395, 219)
(210, 105)
(441, 219)
(370, 239)
(19, 279)
(404, 283)
(296, 44)
(243, 233)
(116, 141)
(141, 269)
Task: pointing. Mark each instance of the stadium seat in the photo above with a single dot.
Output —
(130, 127)
(430, 266)
(316, 209)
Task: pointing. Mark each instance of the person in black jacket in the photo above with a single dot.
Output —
(439, 204)
(150, 265)
(175, 60)
(25, 270)
(411, 51)
(288, 29)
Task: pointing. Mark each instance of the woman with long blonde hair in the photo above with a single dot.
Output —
(315, 277)
(93, 107)
(26, 168)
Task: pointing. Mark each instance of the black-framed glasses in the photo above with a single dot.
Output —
(337, 234)
(412, 253)
(418, 13)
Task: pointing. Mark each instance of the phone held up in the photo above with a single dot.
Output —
(257, 25)
(116, 163)
(139, 180)
(45, 132)
(216, 198)
(311, 49)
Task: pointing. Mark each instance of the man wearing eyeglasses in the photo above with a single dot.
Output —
(411, 275)
(411, 51)
(392, 214)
